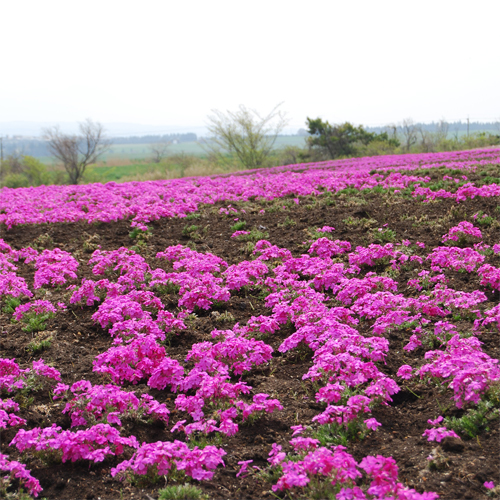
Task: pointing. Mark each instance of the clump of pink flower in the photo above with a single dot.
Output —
(463, 233)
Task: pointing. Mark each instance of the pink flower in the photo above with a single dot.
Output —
(439, 433)
(405, 372)
(372, 424)
(435, 422)
(297, 429)
(244, 466)
(489, 485)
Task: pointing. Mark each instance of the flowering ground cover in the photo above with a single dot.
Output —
(320, 331)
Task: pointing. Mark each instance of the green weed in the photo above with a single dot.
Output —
(10, 304)
(254, 235)
(483, 219)
(475, 420)
(181, 492)
(335, 434)
(362, 222)
(39, 345)
(36, 322)
(287, 223)
(241, 224)
(189, 230)
(383, 235)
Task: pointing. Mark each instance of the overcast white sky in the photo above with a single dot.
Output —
(170, 62)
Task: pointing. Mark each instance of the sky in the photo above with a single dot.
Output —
(169, 64)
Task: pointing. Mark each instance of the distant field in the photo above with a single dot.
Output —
(140, 152)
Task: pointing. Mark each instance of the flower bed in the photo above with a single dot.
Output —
(352, 352)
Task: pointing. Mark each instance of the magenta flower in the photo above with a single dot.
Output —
(244, 466)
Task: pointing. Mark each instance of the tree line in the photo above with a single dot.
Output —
(243, 138)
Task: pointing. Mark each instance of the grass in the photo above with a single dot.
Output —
(288, 223)
(475, 420)
(362, 222)
(191, 231)
(239, 226)
(10, 304)
(39, 345)
(383, 235)
(181, 492)
(483, 219)
(36, 322)
(335, 434)
(254, 235)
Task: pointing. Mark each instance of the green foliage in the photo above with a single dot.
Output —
(241, 224)
(288, 223)
(38, 345)
(335, 434)
(244, 135)
(181, 492)
(23, 171)
(167, 288)
(191, 231)
(336, 141)
(248, 248)
(483, 219)
(362, 222)
(383, 235)
(254, 235)
(418, 140)
(36, 322)
(135, 233)
(192, 216)
(8, 493)
(10, 304)
(475, 420)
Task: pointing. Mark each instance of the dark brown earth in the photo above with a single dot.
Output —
(77, 340)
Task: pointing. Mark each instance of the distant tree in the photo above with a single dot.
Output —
(23, 171)
(245, 134)
(442, 128)
(159, 150)
(76, 152)
(409, 131)
(335, 141)
(427, 140)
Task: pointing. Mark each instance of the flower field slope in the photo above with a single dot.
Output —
(316, 331)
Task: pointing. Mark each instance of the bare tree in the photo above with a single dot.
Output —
(392, 130)
(426, 140)
(442, 129)
(76, 152)
(159, 150)
(409, 131)
(245, 134)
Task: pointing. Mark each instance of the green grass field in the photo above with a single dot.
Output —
(137, 153)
